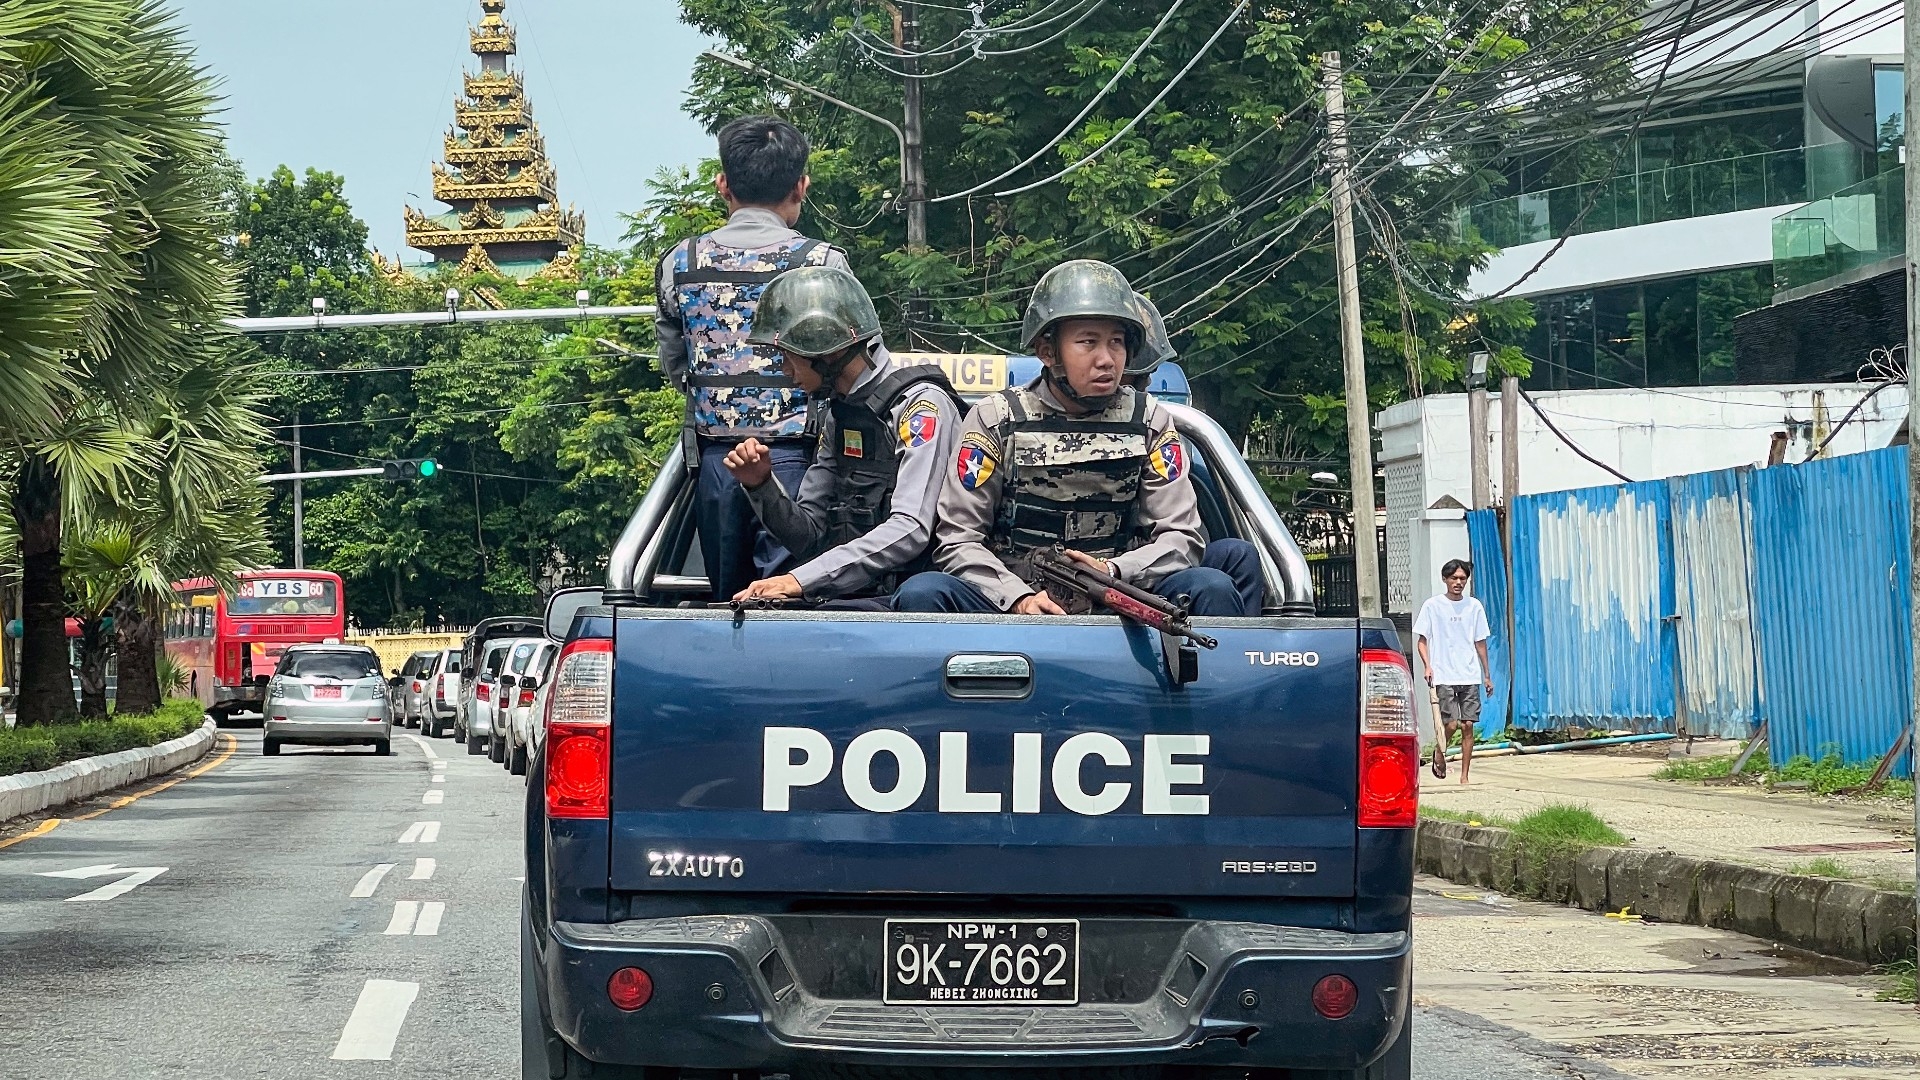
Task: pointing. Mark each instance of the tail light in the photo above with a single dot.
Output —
(440, 691)
(580, 730)
(233, 663)
(526, 699)
(482, 692)
(416, 686)
(1389, 742)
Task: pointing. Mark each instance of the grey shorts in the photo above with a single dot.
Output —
(1459, 704)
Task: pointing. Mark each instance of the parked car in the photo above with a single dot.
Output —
(483, 657)
(440, 694)
(528, 677)
(329, 695)
(407, 684)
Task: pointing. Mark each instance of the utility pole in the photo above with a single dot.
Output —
(1477, 430)
(1509, 488)
(299, 503)
(1366, 557)
(907, 39)
(1913, 394)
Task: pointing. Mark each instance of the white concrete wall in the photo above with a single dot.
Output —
(1640, 253)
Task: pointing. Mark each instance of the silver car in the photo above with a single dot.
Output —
(412, 686)
(474, 723)
(520, 715)
(440, 693)
(331, 695)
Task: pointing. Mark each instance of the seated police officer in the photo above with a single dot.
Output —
(1077, 457)
(1231, 555)
(863, 517)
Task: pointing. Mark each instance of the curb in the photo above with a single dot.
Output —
(30, 793)
(1823, 915)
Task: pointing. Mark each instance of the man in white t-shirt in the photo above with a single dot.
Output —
(1451, 634)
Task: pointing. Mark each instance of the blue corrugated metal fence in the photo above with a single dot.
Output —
(1710, 601)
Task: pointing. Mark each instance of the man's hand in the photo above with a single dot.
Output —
(1103, 565)
(1429, 674)
(784, 587)
(1038, 604)
(751, 463)
(1487, 680)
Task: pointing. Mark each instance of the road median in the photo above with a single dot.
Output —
(82, 778)
(1838, 918)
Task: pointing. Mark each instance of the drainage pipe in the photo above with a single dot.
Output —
(1578, 744)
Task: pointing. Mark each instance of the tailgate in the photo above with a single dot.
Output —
(851, 754)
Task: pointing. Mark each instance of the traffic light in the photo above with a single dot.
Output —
(409, 468)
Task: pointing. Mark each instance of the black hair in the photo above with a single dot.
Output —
(1452, 565)
(763, 158)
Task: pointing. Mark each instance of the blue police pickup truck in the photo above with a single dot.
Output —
(807, 842)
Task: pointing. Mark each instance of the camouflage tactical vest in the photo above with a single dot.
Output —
(1072, 480)
(865, 455)
(738, 389)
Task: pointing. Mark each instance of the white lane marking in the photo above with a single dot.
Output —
(404, 912)
(439, 766)
(422, 870)
(134, 877)
(370, 880)
(425, 747)
(423, 832)
(430, 915)
(439, 779)
(375, 1024)
(434, 795)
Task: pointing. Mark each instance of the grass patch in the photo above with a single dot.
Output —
(1491, 821)
(1565, 823)
(1713, 768)
(1900, 984)
(1822, 867)
(36, 748)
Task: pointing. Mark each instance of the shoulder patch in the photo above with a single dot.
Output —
(1168, 459)
(917, 428)
(975, 462)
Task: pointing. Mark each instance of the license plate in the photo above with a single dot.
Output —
(982, 962)
(322, 693)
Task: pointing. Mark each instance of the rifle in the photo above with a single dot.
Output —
(1056, 569)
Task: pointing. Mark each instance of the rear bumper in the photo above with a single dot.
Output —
(327, 730)
(250, 696)
(725, 997)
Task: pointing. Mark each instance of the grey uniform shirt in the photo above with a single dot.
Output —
(1167, 508)
(749, 227)
(801, 523)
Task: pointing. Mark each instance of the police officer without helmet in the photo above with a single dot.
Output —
(1237, 558)
(1077, 457)
(863, 516)
(709, 287)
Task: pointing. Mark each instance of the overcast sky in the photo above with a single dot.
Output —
(365, 88)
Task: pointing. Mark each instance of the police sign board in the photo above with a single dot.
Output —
(972, 374)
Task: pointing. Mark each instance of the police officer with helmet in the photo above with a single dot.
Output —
(1235, 557)
(1077, 457)
(864, 513)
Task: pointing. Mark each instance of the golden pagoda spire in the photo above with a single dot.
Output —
(504, 214)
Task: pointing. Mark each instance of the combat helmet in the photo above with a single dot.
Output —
(814, 311)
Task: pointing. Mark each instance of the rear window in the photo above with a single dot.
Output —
(496, 656)
(284, 596)
(521, 654)
(330, 665)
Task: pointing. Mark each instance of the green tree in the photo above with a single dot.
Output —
(129, 224)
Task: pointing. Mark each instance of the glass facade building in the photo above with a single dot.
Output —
(1669, 332)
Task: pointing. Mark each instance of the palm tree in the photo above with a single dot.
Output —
(111, 267)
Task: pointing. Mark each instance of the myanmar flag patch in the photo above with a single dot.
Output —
(852, 443)
(918, 426)
(1169, 457)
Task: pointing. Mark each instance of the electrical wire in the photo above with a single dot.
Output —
(1571, 445)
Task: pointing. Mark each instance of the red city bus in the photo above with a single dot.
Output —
(230, 645)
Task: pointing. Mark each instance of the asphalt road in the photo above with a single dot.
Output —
(274, 945)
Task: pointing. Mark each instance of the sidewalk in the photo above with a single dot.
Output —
(1741, 825)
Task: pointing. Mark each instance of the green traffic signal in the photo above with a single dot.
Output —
(429, 467)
